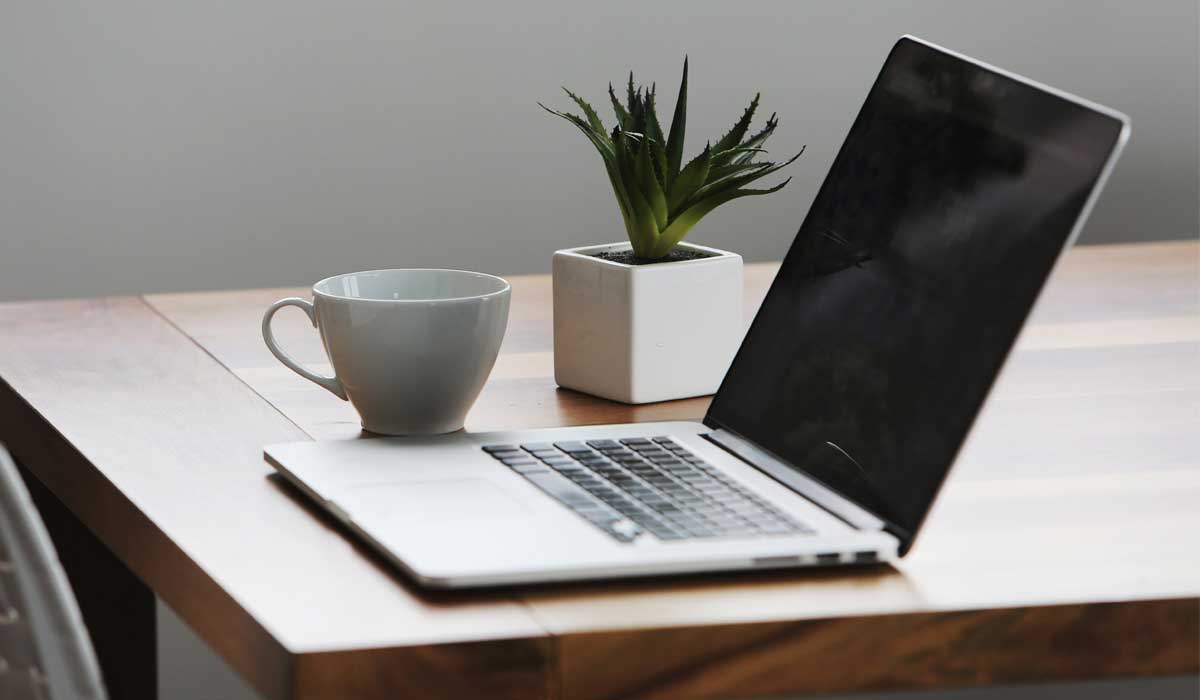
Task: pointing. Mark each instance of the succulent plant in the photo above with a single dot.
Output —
(660, 198)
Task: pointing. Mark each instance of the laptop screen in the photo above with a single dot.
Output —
(906, 286)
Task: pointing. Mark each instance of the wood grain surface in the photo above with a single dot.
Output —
(158, 449)
(1062, 546)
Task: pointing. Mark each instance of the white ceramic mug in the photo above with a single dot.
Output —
(411, 349)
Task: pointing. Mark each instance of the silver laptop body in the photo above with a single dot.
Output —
(920, 259)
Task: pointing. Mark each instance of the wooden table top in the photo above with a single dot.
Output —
(1064, 545)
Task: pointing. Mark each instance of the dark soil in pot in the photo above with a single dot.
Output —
(626, 257)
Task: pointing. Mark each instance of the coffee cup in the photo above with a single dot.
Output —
(410, 349)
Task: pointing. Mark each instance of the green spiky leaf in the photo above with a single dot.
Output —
(690, 179)
(683, 223)
(658, 157)
(735, 135)
(619, 110)
(637, 117)
(645, 227)
(650, 188)
(599, 140)
(641, 225)
(727, 155)
(653, 127)
(724, 171)
(736, 181)
(758, 139)
(592, 118)
(678, 127)
(629, 94)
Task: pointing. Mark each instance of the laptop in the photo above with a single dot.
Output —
(943, 214)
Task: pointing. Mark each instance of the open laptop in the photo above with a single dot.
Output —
(944, 212)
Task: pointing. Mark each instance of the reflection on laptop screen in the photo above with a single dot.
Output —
(911, 276)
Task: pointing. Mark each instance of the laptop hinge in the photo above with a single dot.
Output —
(797, 481)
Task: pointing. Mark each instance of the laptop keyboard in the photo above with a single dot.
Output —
(645, 485)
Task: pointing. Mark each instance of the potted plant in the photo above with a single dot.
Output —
(654, 318)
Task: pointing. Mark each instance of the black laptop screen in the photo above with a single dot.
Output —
(922, 254)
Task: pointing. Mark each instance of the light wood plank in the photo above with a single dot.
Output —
(971, 647)
(158, 449)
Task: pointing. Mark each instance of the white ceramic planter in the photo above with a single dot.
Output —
(644, 333)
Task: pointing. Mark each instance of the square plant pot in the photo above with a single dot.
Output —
(644, 333)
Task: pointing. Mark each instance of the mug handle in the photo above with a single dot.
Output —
(333, 384)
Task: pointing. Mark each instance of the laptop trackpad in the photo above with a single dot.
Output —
(403, 502)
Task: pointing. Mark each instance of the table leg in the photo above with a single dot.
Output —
(118, 609)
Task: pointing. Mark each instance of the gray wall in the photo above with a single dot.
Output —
(154, 146)
(189, 145)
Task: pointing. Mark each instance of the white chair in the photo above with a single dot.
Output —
(45, 653)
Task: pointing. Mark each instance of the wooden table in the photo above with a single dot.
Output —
(1064, 546)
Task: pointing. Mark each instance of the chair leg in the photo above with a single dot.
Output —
(118, 609)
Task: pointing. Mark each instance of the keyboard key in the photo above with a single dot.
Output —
(577, 501)
(601, 517)
(751, 513)
(628, 509)
(499, 448)
(531, 468)
(664, 440)
(531, 446)
(655, 457)
(636, 441)
(558, 461)
(651, 520)
(557, 486)
(621, 455)
(598, 444)
(514, 461)
(664, 532)
(501, 454)
(595, 511)
(723, 521)
(625, 528)
(658, 457)
(572, 447)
